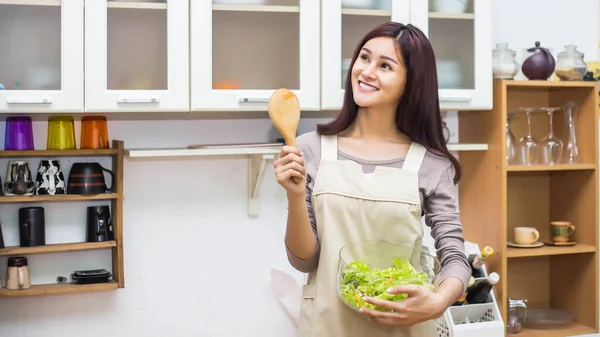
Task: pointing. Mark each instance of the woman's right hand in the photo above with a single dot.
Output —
(290, 164)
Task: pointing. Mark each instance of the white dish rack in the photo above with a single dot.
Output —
(472, 320)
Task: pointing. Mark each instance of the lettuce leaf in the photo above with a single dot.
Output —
(359, 279)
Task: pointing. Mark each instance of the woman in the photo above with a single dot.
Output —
(371, 174)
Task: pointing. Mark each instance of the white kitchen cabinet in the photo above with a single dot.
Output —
(242, 50)
(460, 32)
(136, 55)
(343, 26)
(41, 56)
(462, 43)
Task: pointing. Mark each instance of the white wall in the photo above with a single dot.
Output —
(195, 263)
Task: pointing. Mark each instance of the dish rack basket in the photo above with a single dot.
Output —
(472, 320)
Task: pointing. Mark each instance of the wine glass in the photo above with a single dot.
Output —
(529, 146)
(552, 146)
(511, 142)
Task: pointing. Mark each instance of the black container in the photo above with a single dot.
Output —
(32, 226)
(1, 238)
(99, 224)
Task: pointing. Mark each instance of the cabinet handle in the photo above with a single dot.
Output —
(28, 100)
(252, 100)
(455, 99)
(138, 100)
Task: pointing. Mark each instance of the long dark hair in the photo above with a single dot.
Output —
(418, 113)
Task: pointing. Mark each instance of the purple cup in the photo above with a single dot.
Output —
(19, 134)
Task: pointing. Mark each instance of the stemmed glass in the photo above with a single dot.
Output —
(511, 142)
(552, 146)
(529, 146)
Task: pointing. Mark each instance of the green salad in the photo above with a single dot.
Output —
(359, 279)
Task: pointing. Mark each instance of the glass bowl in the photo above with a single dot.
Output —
(369, 268)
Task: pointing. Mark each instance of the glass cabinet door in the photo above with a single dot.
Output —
(460, 33)
(344, 23)
(41, 55)
(243, 50)
(136, 55)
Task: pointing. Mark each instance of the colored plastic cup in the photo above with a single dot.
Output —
(61, 133)
(94, 132)
(19, 134)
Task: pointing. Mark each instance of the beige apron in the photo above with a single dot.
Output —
(353, 206)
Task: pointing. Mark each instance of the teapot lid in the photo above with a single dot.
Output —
(537, 48)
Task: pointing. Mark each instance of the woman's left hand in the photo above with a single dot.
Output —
(420, 305)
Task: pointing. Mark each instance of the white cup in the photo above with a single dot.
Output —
(526, 235)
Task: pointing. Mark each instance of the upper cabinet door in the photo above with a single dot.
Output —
(461, 34)
(41, 55)
(344, 24)
(243, 50)
(136, 55)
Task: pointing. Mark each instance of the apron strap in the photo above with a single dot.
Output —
(414, 157)
(329, 148)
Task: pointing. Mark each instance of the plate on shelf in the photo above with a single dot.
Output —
(552, 243)
(224, 146)
(533, 245)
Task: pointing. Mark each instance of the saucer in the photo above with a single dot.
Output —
(533, 245)
(568, 243)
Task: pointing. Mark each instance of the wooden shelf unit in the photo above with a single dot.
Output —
(117, 153)
(495, 198)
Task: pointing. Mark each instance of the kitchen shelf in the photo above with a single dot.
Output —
(549, 250)
(546, 85)
(495, 198)
(216, 151)
(59, 288)
(117, 154)
(249, 150)
(256, 8)
(31, 2)
(573, 329)
(57, 247)
(61, 153)
(135, 5)
(62, 197)
(257, 159)
(540, 168)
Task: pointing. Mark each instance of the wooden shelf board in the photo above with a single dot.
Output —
(57, 247)
(31, 2)
(548, 84)
(256, 8)
(59, 288)
(60, 153)
(549, 250)
(136, 5)
(561, 167)
(62, 197)
(366, 12)
(456, 16)
(572, 329)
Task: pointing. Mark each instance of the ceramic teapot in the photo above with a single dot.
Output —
(539, 63)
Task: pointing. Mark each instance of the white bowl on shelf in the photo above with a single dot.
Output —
(450, 6)
(358, 4)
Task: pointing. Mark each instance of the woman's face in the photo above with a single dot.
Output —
(378, 75)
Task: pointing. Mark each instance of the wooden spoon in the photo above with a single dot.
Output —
(284, 111)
